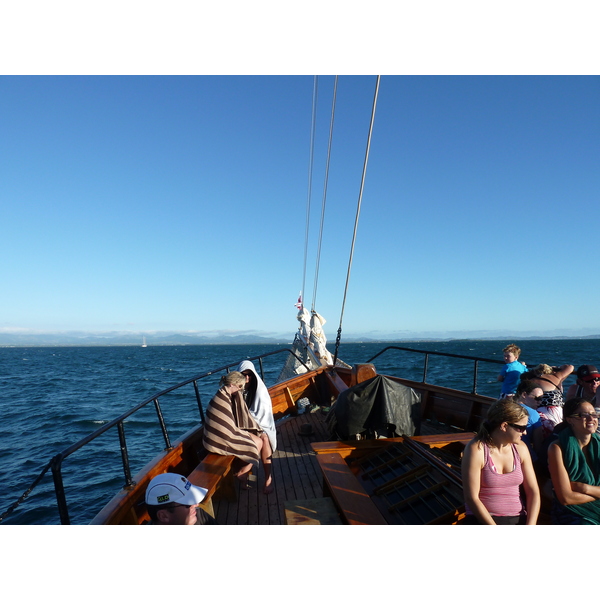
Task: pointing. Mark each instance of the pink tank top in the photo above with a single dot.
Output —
(500, 492)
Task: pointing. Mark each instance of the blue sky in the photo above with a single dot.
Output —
(179, 203)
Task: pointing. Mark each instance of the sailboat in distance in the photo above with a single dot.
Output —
(144, 345)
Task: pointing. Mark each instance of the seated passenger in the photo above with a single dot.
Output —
(495, 463)
(172, 500)
(550, 379)
(574, 464)
(259, 403)
(528, 395)
(586, 386)
(230, 429)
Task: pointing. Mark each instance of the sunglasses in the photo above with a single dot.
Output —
(585, 416)
(519, 428)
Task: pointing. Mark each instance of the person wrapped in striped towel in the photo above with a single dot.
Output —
(230, 429)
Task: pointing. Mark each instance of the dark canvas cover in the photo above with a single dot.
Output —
(374, 405)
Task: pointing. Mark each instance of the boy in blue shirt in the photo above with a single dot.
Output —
(511, 371)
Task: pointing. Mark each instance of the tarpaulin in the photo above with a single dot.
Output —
(378, 404)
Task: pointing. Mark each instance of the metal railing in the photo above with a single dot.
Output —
(56, 462)
(475, 359)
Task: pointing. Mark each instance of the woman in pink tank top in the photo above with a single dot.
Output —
(494, 466)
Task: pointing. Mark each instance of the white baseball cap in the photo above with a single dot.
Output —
(171, 487)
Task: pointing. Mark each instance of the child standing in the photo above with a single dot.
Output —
(511, 371)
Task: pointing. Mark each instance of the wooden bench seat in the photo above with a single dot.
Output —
(349, 496)
(215, 474)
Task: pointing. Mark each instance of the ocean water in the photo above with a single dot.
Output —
(53, 397)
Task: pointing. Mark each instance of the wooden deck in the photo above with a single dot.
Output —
(296, 476)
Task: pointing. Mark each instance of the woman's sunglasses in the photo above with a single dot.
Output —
(586, 416)
(519, 428)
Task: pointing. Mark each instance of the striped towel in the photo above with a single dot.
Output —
(226, 427)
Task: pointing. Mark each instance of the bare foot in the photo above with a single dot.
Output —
(243, 480)
(243, 475)
(268, 486)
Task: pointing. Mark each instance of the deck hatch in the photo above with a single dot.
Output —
(408, 488)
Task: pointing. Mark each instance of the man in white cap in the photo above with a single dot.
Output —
(172, 500)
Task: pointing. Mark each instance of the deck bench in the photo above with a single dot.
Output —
(349, 496)
(215, 474)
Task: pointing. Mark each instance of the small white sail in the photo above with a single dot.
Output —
(144, 345)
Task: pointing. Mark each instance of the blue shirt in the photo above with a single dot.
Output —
(511, 373)
(533, 422)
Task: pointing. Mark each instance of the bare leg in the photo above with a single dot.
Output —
(242, 475)
(266, 455)
(244, 472)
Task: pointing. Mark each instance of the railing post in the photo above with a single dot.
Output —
(475, 376)
(56, 463)
(61, 499)
(260, 364)
(199, 402)
(124, 455)
(425, 368)
(162, 424)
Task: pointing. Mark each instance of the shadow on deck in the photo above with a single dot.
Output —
(296, 476)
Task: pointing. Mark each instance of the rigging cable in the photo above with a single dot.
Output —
(324, 194)
(362, 185)
(310, 167)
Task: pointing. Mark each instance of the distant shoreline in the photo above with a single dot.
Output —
(257, 341)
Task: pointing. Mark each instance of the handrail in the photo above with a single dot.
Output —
(57, 460)
(476, 359)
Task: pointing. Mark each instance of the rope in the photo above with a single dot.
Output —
(310, 167)
(362, 185)
(11, 509)
(324, 194)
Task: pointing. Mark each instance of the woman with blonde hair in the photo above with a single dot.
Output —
(550, 379)
(495, 463)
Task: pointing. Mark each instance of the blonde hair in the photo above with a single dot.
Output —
(233, 378)
(514, 349)
(542, 369)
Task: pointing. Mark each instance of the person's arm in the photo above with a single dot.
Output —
(502, 373)
(530, 485)
(472, 464)
(563, 372)
(586, 489)
(560, 479)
